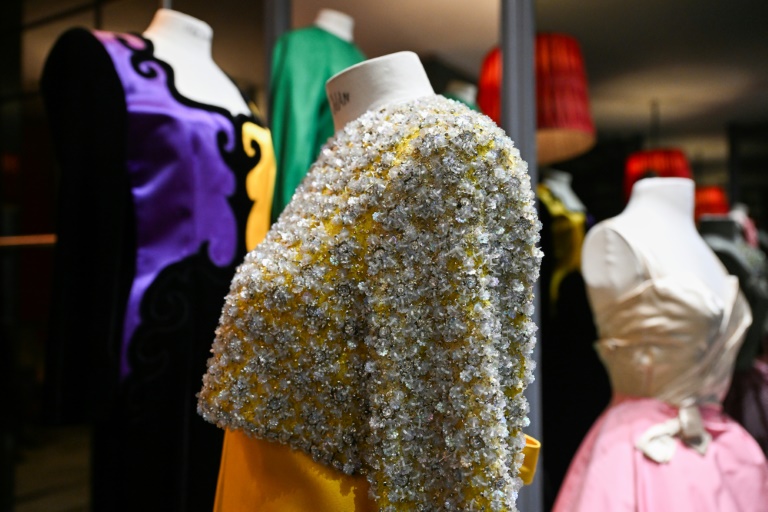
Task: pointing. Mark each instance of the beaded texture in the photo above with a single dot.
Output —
(384, 325)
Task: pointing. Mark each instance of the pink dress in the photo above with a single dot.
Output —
(664, 443)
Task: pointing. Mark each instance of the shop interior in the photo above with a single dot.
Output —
(687, 77)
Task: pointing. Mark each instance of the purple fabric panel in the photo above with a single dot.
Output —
(179, 180)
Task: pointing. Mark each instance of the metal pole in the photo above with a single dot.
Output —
(518, 118)
(277, 21)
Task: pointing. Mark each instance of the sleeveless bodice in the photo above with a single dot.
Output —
(669, 345)
(672, 338)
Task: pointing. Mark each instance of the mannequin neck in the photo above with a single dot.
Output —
(555, 176)
(335, 22)
(668, 198)
(559, 184)
(180, 31)
(184, 43)
(374, 83)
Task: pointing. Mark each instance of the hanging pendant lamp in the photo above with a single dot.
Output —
(564, 127)
(711, 200)
(655, 163)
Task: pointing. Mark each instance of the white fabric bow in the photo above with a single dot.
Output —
(658, 442)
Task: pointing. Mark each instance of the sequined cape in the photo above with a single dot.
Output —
(384, 325)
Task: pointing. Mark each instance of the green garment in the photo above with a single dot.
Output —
(301, 117)
(450, 96)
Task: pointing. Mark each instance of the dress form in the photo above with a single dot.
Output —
(559, 183)
(374, 83)
(335, 22)
(263, 472)
(184, 42)
(659, 218)
(670, 324)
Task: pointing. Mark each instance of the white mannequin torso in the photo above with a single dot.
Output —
(184, 43)
(659, 223)
(374, 83)
(335, 22)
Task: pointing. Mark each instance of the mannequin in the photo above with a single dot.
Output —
(302, 61)
(659, 216)
(184, 42)
(335, 22)
(670, 322)
(376, 82)
(166, 180)
(341, 472)
(370, 84)
(559, 183)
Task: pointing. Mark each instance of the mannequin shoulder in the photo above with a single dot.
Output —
(609, 264)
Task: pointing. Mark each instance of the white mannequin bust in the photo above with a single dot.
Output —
(659, 222)
(184, 43)
(374, 83)
(559, 183)
(335, 22)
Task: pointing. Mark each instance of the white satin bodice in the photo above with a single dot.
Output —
(671, 338)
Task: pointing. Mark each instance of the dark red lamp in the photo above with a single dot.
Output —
(655, 163)
(564, 127)
(711, 200)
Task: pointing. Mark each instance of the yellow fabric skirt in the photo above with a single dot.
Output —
(264, 476)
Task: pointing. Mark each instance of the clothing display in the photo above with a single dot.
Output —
(669, 345)
(567, 333)
(723, 235)
(383, 328)
(166, 192)
(747, 399)
(303, 60)
(568, 230)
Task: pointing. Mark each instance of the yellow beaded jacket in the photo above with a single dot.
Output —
(384, 325)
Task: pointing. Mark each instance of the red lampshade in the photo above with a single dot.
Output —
(489, 86)
(711, 200)
(564, 127)
(658, 163)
